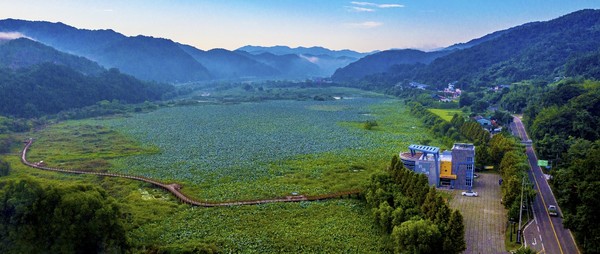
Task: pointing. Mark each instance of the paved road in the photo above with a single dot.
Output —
(545, 234)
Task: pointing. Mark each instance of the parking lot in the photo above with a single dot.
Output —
(484, 216)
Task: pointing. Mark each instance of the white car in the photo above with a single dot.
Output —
(470, 193)
(552, 211)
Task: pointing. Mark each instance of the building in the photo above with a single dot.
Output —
(453, 168)
(424, 160)
(463, 165)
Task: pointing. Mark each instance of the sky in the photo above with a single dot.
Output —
(363, 26)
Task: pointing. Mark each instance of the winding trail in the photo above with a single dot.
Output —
(174, 187)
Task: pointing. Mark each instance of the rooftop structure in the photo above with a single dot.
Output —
(450, 168)
(425, 160)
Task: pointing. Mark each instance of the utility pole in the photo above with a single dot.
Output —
(519, 233)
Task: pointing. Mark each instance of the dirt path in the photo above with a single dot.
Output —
(174, 187)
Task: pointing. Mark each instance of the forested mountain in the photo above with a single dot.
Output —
(225, 64)
(383, 61)
(476, 41)
(537, 50)
(163, 60)
(587, 65)
(23, 52)
(48, 88)
(153, 59)
(146, 58)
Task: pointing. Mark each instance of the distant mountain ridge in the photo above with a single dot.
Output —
(383, 61)
(163, 60)
(327, 60)
(536, 50)
(22, 52)
(315, 51)
(147, 58)
(528, 51)
(532, 50)
(224, 64)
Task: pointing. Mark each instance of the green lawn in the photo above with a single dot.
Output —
(445, 114)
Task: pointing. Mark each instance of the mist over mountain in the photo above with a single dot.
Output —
(327, 60)
(22, 52)
(314, 51)
(144, 57)
(289, 65)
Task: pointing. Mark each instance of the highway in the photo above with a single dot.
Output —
(545, 233)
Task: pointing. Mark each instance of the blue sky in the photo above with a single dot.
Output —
(357, 25)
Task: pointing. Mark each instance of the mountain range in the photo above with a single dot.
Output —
(163, 60)
(537, 50)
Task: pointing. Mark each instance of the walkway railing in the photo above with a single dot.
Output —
(174, 187)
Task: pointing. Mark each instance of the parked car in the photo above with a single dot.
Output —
(552, 210)
(470, 193)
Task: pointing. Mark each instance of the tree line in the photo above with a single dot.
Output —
(414, 216)
(563, 121)
(59, 219)
(48, 88)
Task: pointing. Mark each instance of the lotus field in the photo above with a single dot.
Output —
(266, 149)
(237, 152)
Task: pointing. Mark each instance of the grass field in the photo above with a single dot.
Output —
(317, 147)
(484, 216)
(445, 114)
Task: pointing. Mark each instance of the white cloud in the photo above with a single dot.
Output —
(390, 6)
(367, 24)
(382, 6)
(312, 59)
(11, 35)
(359, 9)
(363, 3)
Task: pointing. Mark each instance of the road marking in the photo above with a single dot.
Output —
(546, 208)
(541, 238)
(534, 242)
(543, 249)
(538, 227)
(544, 202)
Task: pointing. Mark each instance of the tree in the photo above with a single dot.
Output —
(4, 168)
(525, 250)
(420, 237)
(383, 216)
(429, 207)
(73, 219)
(454, 239)
(578, 185)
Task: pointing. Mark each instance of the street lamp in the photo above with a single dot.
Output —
(519, 233)
(512, 228)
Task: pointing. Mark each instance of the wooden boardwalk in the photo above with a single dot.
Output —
(174, 187)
